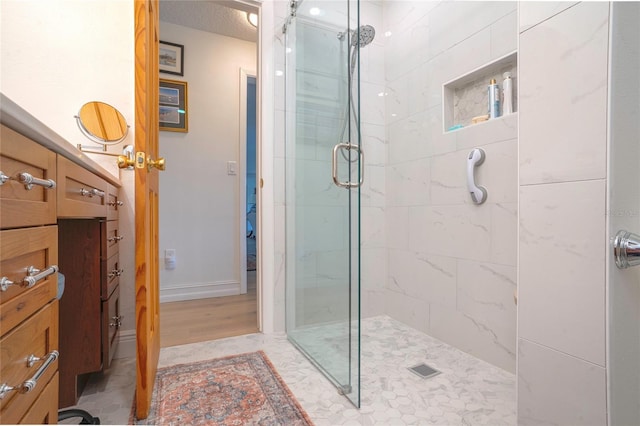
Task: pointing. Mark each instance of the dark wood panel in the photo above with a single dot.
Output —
(80, 305)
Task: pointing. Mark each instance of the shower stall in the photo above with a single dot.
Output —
(323, 173)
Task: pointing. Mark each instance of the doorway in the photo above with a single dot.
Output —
(203, 209)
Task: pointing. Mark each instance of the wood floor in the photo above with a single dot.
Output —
(200, 320)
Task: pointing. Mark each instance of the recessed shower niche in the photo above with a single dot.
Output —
(466, 97)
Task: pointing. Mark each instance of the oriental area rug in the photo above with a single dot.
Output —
(236, 390)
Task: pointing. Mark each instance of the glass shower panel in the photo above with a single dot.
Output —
(322, 218)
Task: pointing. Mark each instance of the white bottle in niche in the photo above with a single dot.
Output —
(507, 94)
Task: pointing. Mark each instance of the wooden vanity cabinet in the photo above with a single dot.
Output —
(90, 318)
(55, 215)
(28, 287)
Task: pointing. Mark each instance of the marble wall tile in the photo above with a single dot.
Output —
(486, 294)
(461, 231)
(408, 310)
(373, 227)
(410, 183)
(398, 227)
(496, 130)
(475, 15)
(557, 389)
(504, 233)
(492, 344)
(563, 138)
(562, 267)
(374, 144)
(374, 269)
(534, 12)
(373, 190)
(425, 277)
(502, 35)
(498, 174)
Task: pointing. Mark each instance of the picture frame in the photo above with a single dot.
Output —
(173, 106)
(171, 57)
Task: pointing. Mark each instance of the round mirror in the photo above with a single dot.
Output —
(102, 123)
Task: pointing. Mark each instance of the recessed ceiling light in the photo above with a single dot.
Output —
(252, 18)
(314, 11)
(279, 73)
(387, 34)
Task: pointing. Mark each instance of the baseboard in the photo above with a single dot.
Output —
(199, 291)
(126, 344)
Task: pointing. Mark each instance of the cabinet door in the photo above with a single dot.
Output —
(21, 249)
(22, 205)
(80, 192)
(80, 319)
(37, 336)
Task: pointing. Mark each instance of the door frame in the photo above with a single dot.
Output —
(242, 169)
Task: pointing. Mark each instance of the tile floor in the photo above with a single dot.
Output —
(468, 392)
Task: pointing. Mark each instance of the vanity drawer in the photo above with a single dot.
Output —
(19, 250)
(45, 410)
(111, 324)
(20, 206)
(111, 271)
(37, 336)
(111, 239)
(80, 192)
(113, 203)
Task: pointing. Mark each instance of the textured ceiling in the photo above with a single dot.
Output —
(215, 16)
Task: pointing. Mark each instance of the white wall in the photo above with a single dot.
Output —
(452, 264)
(199, 203)
(58, 55)
(562, 236)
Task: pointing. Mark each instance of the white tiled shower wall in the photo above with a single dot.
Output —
(563, 180)
(452, 264)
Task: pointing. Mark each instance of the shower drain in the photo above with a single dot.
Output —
(423, 370)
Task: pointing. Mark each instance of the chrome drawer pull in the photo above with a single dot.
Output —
(115, 203)
(3, 178)
(115, 238)
(28, 180)
(36, 275)
(91, 192)
(97, 192)
(117, 321)
(5, 283)
(31, 383)
(120, 203)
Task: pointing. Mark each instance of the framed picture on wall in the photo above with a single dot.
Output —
(173, 106)
(171, 58)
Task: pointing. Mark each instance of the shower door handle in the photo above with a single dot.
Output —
(334, 165)
(626, 249)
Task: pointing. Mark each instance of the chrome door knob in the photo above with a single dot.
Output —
(626, 249)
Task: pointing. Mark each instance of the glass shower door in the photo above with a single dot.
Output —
(322, 191)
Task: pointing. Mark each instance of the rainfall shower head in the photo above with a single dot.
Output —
(365, 35)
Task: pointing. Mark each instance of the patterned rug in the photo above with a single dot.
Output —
(236, 390)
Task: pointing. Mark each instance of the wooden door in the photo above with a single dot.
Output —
(146, 202)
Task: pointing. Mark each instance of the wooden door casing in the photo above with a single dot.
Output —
(146, 202)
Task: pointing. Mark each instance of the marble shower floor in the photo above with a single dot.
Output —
(468, 392)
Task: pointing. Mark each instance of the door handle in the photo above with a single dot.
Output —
(334, 165)
(478, 193)
(626, 249)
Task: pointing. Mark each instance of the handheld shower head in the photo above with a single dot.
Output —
(363, 35)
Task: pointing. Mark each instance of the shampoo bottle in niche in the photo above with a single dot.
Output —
(494, 99)
(507, 94)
